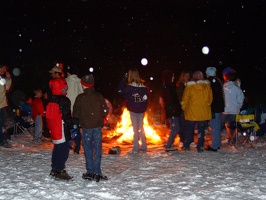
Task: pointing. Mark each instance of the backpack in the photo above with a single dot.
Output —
(54, 120)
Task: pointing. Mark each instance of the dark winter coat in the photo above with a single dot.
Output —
(90, 108)
(171, 104)
(218, 104)
(136, 96)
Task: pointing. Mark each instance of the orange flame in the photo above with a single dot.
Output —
(125, 129)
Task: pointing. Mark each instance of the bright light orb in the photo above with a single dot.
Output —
(151, 78)
(144, 61)
(205, 50)
(91, 69)
(16, 71)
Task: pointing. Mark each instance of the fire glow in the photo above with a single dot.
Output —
(125, 129)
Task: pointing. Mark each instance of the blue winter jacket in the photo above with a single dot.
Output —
(136, 96)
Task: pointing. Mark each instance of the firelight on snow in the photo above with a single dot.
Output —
(205, 50)
(144, 61)
(124, 129)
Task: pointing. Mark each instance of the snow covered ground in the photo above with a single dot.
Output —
(226, 174)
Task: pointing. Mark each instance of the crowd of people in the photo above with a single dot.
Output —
(195, 103)
(74, 112)
(71, 111)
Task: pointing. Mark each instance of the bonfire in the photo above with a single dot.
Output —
(124, 130)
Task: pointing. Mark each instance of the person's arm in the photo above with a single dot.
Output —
(8, 81)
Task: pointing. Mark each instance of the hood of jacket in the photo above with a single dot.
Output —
(73, 78)
(198, 85)
(229, 85)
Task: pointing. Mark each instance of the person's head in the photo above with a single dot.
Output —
(58, 86)
(238, 82)
(210, 71)
(228, 74)
(184, 76)
(198, 75)
(229, 77)
(38, 93)
(56, 72)
(168, 77)
(87, 81)
(133, 76)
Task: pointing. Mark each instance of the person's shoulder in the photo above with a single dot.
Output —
(189, 83)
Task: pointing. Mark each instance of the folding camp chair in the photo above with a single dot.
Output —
(246, 125)
(24, 125)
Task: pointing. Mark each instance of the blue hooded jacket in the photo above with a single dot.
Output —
(136, 96)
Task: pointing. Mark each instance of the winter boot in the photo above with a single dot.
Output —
(88, 176)
(100, 177)
(61, 175)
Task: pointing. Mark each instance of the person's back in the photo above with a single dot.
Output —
(196, 104)
(89, 108)
(196, 100)
(74, 85)
(62, 120)
(234, 98)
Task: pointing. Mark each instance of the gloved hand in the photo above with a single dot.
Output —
(74, 132)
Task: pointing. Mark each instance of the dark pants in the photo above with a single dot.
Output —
(189, 133)
(182, 128)
(60, 155)
(2, 124)
(77, 140)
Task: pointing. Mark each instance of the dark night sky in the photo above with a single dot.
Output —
(112, 36)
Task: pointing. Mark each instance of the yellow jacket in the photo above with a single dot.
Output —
(196, 101)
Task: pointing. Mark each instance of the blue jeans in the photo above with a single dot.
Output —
(175, 128)
(38, 127)
(137, 123)
(92, 143)
(215, 125)
(2, 124)
(59, 156)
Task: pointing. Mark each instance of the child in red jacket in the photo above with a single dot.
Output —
(37, 114)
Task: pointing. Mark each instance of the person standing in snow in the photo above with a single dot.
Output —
(74, 89)
(5, 84)
(136, 95)
(217, 107)
(90, 108)
(172, 107)
(60, 133)
(37, 115)
(180, 87)
(196, 104)
(234, 99)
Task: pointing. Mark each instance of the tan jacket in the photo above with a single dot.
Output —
(3, 89)
(196, 101)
